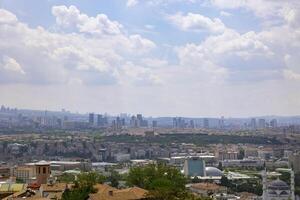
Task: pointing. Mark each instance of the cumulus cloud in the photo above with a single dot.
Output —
(131, 3)
(72, 17)
(229, 55)
(11, 64)
(225, 14)
(196, 22)
(138, 75)
(266, 9)
(96, 53)
(6, 17)
(67, 57)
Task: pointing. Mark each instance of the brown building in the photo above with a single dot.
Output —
(4, 172)
(43, 172)
(207, 189)
(53, 191)
(106, 192)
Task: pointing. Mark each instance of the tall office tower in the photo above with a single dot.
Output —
(123, 122)
(114, 125)
(133, 122)
(222, 123)
(154, 124)
(2, 109)
(118, 123)
(273, 123)
(206, 123)
(144, 123)
(91, 118)
(253, 123)
(181, 123)
(139, 118)
(192, 124)
(262, 123)
(105, 120)
(175, 123)
(194, 166)
(100, 120)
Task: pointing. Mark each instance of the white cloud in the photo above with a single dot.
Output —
(7, 17)
(11, 64)
(197, 22)
(93, 57)
(149, 26)
(71, 17)
(292, 16)
(62, 57)
(192, 58)
(266, 9)
(138, 75)
(291, 75)
(141, 44)
(225, 14)
(131, 3)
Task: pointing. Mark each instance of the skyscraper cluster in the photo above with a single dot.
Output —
(138, 121)
(101, 120)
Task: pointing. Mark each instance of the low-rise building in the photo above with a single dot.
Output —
(207, 189)
(106, 192)
(242, 163)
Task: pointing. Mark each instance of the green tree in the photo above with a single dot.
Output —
(83, 186)
(66, 178)
(89, 179)
(163, 182)
(224, 181)
(114, 178)
(241, 154)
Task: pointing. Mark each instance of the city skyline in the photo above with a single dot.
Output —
(207, 58)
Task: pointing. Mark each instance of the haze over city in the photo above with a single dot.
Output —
(213, 58)
(149, 100)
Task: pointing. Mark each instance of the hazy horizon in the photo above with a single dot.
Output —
(212, 58)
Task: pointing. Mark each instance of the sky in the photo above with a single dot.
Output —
(212, 58)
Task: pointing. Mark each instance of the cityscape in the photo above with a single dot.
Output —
(150, 100)
(234, 158)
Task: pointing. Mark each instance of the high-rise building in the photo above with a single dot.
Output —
(175, 123)
(262, 123)
(221, 123)
(192, 124)
(179, 122)
(114, 125)
(273, 123)
(154, 124)
(123, 123)
(194, 166)
(144, 123)
(118, 123)
(205, 123)
(100, 120)
(91, 118)
(253, 123)
(133, 122)
(139, 118)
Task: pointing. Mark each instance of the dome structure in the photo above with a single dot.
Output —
(213, 171)
(278, 185)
